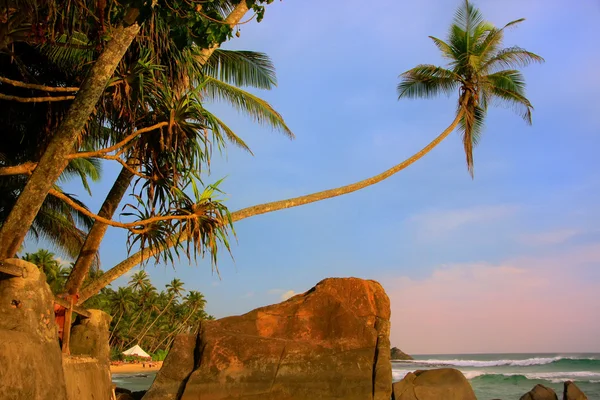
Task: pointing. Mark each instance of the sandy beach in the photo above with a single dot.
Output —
(135, 368)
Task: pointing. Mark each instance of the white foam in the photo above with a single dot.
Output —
(495, 363)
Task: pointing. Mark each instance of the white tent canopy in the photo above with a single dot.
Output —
(136, 351)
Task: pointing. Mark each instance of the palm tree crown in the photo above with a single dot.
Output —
(479, 70)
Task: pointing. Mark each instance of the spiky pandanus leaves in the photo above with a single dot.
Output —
(479, 71)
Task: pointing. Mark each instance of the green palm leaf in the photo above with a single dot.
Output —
(242, 68)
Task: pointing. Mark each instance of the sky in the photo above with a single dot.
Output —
(506, 262)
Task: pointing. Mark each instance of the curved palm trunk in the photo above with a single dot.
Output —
(90, 247)
(125, 265)
(54, 160)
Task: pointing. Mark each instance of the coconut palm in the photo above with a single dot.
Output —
(174, 291)
(139, 281)
(121, 303)
(479, 70)
(475, 74)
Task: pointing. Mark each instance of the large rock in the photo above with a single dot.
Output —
(540, 392)
(398, 354)
(331, 342)
(572, 392)
(87, 378)
(30, 356)
(434, 384)
(90, 337)
(175, 371)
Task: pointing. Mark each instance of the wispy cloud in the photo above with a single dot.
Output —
(436, 223)
(548, 238)
(523, 305)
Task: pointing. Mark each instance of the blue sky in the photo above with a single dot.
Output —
(494, 264)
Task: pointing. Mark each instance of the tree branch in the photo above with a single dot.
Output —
(37, 87)
(34, 99)
(126, 225)
(21, 169)
(99, 153)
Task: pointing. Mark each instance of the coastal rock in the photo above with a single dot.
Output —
(330, 342)
(572, 392)
(175, 371)
(87, 378)
(30, 357)
(90, 337)
(540, 392)
(434, 384)
(398, 354)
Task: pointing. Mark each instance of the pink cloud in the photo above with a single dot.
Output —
(525, 305)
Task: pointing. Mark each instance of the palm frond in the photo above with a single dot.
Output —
(471, 126)
(468, 17)
(427, 81)
(242, 68)
(512, 57)
(508, 87)
(247, 103)
(222, 130)
(84, 168)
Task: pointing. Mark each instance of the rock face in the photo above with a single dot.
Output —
(434, 384)
(398, 354)
(331, 342)
(572, 392)
(87, 378)
(90, 337)
(540, 392)
(30, 356)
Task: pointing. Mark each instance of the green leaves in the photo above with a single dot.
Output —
(476, 72)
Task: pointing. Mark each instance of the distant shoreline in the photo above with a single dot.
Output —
(135, 368)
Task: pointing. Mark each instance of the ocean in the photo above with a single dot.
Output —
(509, 376)
(493, 376)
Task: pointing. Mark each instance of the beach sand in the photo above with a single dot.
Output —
(135, 368)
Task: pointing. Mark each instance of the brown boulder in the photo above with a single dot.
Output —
(434, 384)
(330, 342)
(540, 392)
(572, 392)
(175, 371)
(90, 337)
(30, 356)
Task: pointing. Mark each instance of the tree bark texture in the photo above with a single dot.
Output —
(54, 160)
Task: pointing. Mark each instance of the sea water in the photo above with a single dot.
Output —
(493, 376)
(509, 376)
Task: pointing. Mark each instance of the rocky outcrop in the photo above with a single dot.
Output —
(572, 392)
(90, 336)
(87, 378)
(540, 392)
(434, 384)
(399, 355)
(30, 356)
(176, 369)
(330, 342)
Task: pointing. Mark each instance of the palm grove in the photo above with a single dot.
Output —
(127, 83)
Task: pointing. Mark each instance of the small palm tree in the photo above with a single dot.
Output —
(139, 281)
(174, 290)
(480, 71)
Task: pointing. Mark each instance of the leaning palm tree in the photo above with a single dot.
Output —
(475, 73)
(480, 71)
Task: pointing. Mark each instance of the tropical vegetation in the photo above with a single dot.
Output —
(140, 313)
(137, 99)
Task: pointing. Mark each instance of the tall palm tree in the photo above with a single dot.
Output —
(174, 290)
(479, 70)
(121, 303)
(475, 74)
